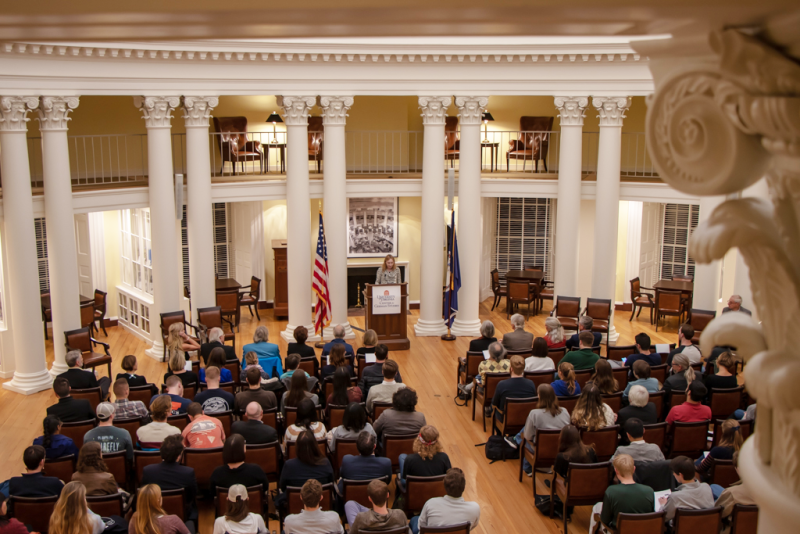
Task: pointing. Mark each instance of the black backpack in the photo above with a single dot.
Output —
(498, 449)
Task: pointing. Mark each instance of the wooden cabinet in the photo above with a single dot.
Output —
(281, 301)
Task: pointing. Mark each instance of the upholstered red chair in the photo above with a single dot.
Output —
(452, 146)
(233, 143)
(567, 311)
(533, 142)
(315, 141)
(600, 312)
(82, 340)
(211, 317)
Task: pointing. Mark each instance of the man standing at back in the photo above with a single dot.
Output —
(373, 374)
(69, 409)
(451, 509)
(583, 358)
(585, 324)
(519, 339)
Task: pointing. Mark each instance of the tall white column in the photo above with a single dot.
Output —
(570, 111)
(334, 190)
(61, 252)
(604, 274)
(434, 111)
(167, 286)
(298, 208)
(470, 229)
(31, 373)
(199, 209)
(707, 276)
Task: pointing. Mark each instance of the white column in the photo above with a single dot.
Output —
(434, 111)
(334, 116)
(30, 374)
(298, 208)
(61, 252)
(707, 276)
(467, 321)
(199, 209)
(167, 286)
(633, 256)
(570, 111)
(604, 274)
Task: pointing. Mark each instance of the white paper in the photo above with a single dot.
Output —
(370, 357)
(705, 454)
(658, 494)
(188, 365)
(662, 348)
(486, 355)
(329, 359)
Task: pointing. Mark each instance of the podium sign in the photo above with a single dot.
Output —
(386, 300)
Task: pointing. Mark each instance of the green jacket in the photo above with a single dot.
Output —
(581, 359)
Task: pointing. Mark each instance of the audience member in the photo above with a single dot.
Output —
(202, 432)
(213, 399)
(555, 333)
(150, 436)
(566, 385)
(238, 518)
(427, 460)
(110, 437)
(735, 304)
(736, 493)
(645, 353)
(572, 450)
(540, 359)
(365, 466)
(336, 359)
(307, 420)
(130, 366)
(487, 338)
(54, 443)
(690, 493)
(640, 408)
(641, 373)
(338, 339)
(451, 509)
(253, 429)
(591, 412)
(309, 463)
(33, 483)
(519, 339)
(269, 355)
(343, 393)
(585, 324)
(170, 474)
(234, 469)
(124, 408)
(69, 409)
(9, 525)
(729, 444)
(496, 363)
(92, 471)
(251, 362)
(369, 343)
(380, 517)
(150, 517)
(685, 345)
(178, 403)
(80, 378)
(254, 393)
(516, 387)
(373, 374)
(725, 376)
(177, 367)
(179, 342)
(297, 393)
(217, 359)
(639, 449)
(384, 391)
(547, 415)
(216, 340)
(402, 417)
(311, 519)
(354, 422)
(299, 346)
(603, 378)
(682, 375)
(583, 358)
(627, 497)
(692, 410)
(292, 363)
(71, 514)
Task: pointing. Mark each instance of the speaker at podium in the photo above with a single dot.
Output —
(386, 307)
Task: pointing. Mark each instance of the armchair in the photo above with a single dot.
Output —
(233, 143)
(533, 142)
(315, 138)
(452, 145)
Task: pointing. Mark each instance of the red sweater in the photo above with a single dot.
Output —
(13, 527)
(688, 413)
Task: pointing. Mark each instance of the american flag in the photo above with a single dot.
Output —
(320, 282)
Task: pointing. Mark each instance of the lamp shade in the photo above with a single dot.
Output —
(274, 118)
(487, 116)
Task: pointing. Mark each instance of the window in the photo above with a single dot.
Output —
(41, 254)
(185, 249)
(523, 235)
(137, 255)
(221, 248)
(680, 220)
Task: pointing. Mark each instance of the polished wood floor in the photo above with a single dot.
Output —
(429, 367)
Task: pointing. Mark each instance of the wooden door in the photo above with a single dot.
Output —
(650, 250)
(84, 249)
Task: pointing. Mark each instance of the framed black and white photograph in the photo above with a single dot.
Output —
(371, 227)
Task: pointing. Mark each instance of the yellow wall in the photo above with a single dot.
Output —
(622, 252)
(111, 236)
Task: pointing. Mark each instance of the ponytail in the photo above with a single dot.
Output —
(50, 428)
(731, 435)
(688, 374)
(567, 372)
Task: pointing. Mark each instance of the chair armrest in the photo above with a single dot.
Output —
(647, 288)
(252, 146)
(106, 346)
(190, 325)
(515, 144)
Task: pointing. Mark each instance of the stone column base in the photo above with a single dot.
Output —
(157, 350)
(57, 368)
(430, 328)
(29, 383)
(466, 328)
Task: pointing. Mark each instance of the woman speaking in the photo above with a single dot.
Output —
(389, 272)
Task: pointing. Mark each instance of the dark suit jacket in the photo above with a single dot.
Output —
(206, 348)
(512, 388)
(173, 476)
(34, 485)
(372, 376)
(646, 413)
(71, 410)
(303, 350)
(254, 432)
(80, 379)
(573, 343)
(481, 344)
(348, 348)
(133, 380)
(365, 467)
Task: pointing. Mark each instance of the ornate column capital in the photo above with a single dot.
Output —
(14, 112)
(197, 110)
(53, 111)
(434, 108)
(157, 110)
(471, 108)
(571, 109)
(612, 109)
(296, 109)
(334, 109)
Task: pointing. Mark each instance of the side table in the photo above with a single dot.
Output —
(281, 148)
(495, 148)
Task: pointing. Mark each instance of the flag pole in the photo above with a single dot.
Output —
(449, 336)
(321, 343)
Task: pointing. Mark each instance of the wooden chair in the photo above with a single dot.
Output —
(582, 376)
(173, 502)
(233, 143)
(142, 393)
(93, 395)
(87, 316)
(61, 468)
(378, 408)
(100, 310)
(77, 430)
(621, 376)
(316, 147)
(142, 459)
(617, 352)
(168, 319)
(310, 364)
(211, 317)
(34, 511)
(230, 387)
(744, 519)
(328, 385)
(451, 141)
(568, 403)
(688, 439)
(545, 450)
(658, 401)
(532, 143)
(585, 484)
(485, 396)
(641, 299)
(725, 401)
(255, 500)
(398, 530)
(117, 463)
(335, 414)
(203, 461)
(106, 505)
(267, 456)
(659, 372)
(131, 425)
(343, 448)
(668, 304)
(525, 353)
(600, 312)
(515, 412)
(656, 434)
(676, 398)
(604, 440)
(291, 448)
(689, 521)
(294, 504)
(420, 489)
(723, 473)
(270, 418)
(229, 303)
(556, 355)
(82, 340)
(652, 523)
(250, 296)
(614, 401)
(356, 490)
(699, 320)
(498, 290)
(568, 311)
(226, 418)
(396, 444)
(539, 377)
(461, 528)
(518, 293)
(468, 368)
(180, 421)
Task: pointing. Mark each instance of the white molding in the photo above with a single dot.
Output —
(98, 249)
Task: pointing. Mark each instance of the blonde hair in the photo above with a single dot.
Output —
(71, 513)
(554, 330)
(370, 338)
(148, 510)
(731, 435)
(588, 410)
(251, 358)
(175, 347)
(682, 361)
(387, 258)
(427, 443)
(177, 360)
(567, 373)
(726, 360)
(624, 464)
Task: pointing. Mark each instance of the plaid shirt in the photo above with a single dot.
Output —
(491, 366)
(129, 409)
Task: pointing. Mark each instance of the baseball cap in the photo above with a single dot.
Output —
(237, 490)
(105, 410)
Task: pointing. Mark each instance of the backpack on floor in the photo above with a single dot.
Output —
(498, 449)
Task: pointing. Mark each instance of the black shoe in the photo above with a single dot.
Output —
(547, 482)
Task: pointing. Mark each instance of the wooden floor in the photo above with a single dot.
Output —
(429, 367)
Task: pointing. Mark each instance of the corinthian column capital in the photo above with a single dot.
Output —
(157, 110)
(434, 108)
(296, 109)
(612, 109)
(14, 112)
(197, 110)
(53, 111)
(471, 108)
(334, 109)
(571, 109)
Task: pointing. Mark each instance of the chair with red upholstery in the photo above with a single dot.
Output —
(532, 143)
(211, 317)
(82, 340)
(567, 311)
(233, 143)
(600, 312)
(641, 298)
(251, 295)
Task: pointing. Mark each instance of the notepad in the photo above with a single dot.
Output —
(370, 357)
(705, 454)
(662, 348)
(486, 355)
(658, 494)
(188, 365)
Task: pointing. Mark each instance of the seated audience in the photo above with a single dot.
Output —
(111, 438)
(179, 342)
(217, 359)
(336, 359)
(519, 339)
(734, 494)
(178, 403)
(130, 366)
(292, 363)
(365, 466)
(725, 377)
(692, 410)
(9, 525)
(338, 339)
(540, 359)
(640, 408)
(252, 428)
(729, 444)
(55, 444)
(299, 346)
(566, 385)
(373, 374)
(583, 358)
(380, 516)
(496, 363)
(343, 393)
(309, 463)
(92, 471)
(177, 367)
(639, 449)
(80, 378)
(254, 393)
(603, 378)
(72, 515)
(402, 417)
(216, 340)
(354, 422)
(238, 518)
(150, 436)
(307, 420)
(369, 343)
(124, 408)
(427, 460)
(451, 509)
(627, 497)
(591, 412)
(251, 362)
(682, 375)
(735, 304)
(554, 335)
(548, 415)
(171, 474)
(311, 518)
(150, 517)
(641, 374)
(33, 483)
(235, 470)
(646, 352)
(585, 324)
(516, 387)
(202, 432)
(269, 355)
(384, 391)
(487, 338)
(213, 399)
(297, 393)
(572, 450)
(685, 345)
(69, 409)
(690, 493)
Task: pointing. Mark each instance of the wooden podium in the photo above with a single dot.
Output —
(392, 329)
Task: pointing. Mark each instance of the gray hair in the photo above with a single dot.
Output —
(736, 298)
(586, 322)
(261, 334)
(338, 331)
(72, 357)
(638, 396)
(214, 334)
(487, 329)
(554, 329)
(517, 321)
(497, 351)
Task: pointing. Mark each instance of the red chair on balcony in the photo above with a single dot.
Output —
(233, 143)
(315, 145)
(452, 145)
(533, 142)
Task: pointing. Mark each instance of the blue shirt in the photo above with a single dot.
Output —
(348, 349)
(269, 356)
(59, 446)
(650, 384)
(179, 404)
(224, 375)
(652, 358)
(560, 387)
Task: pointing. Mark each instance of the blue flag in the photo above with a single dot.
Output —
(453, 283)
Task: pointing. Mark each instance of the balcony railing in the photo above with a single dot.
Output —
(383, 152)
(534, 152)
(635, 161)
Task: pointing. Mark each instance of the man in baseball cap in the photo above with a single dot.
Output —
(111, 438)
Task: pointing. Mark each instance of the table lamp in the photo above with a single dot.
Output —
(486, 117)
(274, 119)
